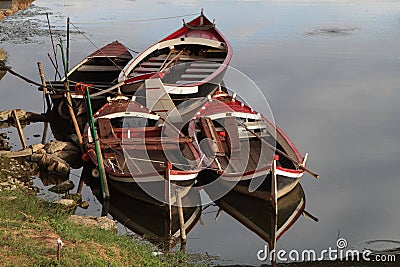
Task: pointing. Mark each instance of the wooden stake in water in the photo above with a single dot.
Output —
(69, 100)
(274, 200)
(19, 128)
(47, 97)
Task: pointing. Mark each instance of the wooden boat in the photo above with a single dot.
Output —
(191, 62)
(239, 144)
(99, 70)
(137, 149)
(259, 216)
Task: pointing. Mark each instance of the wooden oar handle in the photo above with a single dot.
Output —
(316, 175)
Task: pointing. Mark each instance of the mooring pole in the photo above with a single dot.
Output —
(100, 162)
(69, 100)
(19, 128)
(274, 200)
(68, 22)
(181, 220)
(47, 97)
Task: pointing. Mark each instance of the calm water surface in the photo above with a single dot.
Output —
(329, 70)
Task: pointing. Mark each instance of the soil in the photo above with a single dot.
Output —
(17, 5)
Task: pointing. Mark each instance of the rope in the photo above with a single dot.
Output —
(139, 20)
(21, 76)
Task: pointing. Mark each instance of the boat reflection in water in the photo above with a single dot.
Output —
(152, 220)
(148, 217)
(258, 215)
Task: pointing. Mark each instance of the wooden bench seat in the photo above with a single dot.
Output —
(99, 68)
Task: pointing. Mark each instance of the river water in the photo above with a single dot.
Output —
(329, 70)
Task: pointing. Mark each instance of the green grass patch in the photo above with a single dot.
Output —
(30, 227)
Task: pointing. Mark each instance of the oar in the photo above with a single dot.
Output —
(171, 61)
(280, 152)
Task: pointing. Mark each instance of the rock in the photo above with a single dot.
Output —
(73, 157)
(76, 197)
(68, 203)
(16, 154)
(22, 115)
(41, 151)
(101, 222)
(51, 163)
(37, 147)
(36, 157)
(63, 187)
(4, 115)
(55, 146)
(4, 184)
(84, 204)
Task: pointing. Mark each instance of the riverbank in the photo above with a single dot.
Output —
(30, 228)
(17, 5)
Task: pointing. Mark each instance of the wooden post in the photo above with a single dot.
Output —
(69, 100)
(46, 95)
(100, 162)
(19, 128)
(274, 217)
(73, 117)
(181, 218)
(45, 91)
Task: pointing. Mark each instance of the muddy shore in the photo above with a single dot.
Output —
(17, 5)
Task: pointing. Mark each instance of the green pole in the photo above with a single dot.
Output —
(103, 179)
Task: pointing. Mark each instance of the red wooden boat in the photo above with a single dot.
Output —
(136, 149)
(190, 62)
(99, 71)
(239, 145)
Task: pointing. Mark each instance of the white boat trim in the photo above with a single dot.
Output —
(183, 177)
(154, 178)
(131, 114)
(243, 115)
(289, 174)
(181, 90)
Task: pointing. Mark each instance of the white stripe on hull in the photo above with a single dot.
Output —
(154, 178)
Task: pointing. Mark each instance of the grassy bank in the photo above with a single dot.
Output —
(30, 227)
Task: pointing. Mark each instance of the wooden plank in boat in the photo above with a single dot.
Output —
(209, 131)
(230, 124)
(186, 58)
(151, 64)
(199, 71)
(205, 65)
(146, 70)
(197, 77)
(105, 128)
(99, 68)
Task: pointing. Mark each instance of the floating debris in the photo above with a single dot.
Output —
(332, 31)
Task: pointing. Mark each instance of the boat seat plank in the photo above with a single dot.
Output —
(148, 64)
(194, 76)
(186, 58)
(99, 68)
(200, 71)
(205, 65)
(145, 70)
(208, 129)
